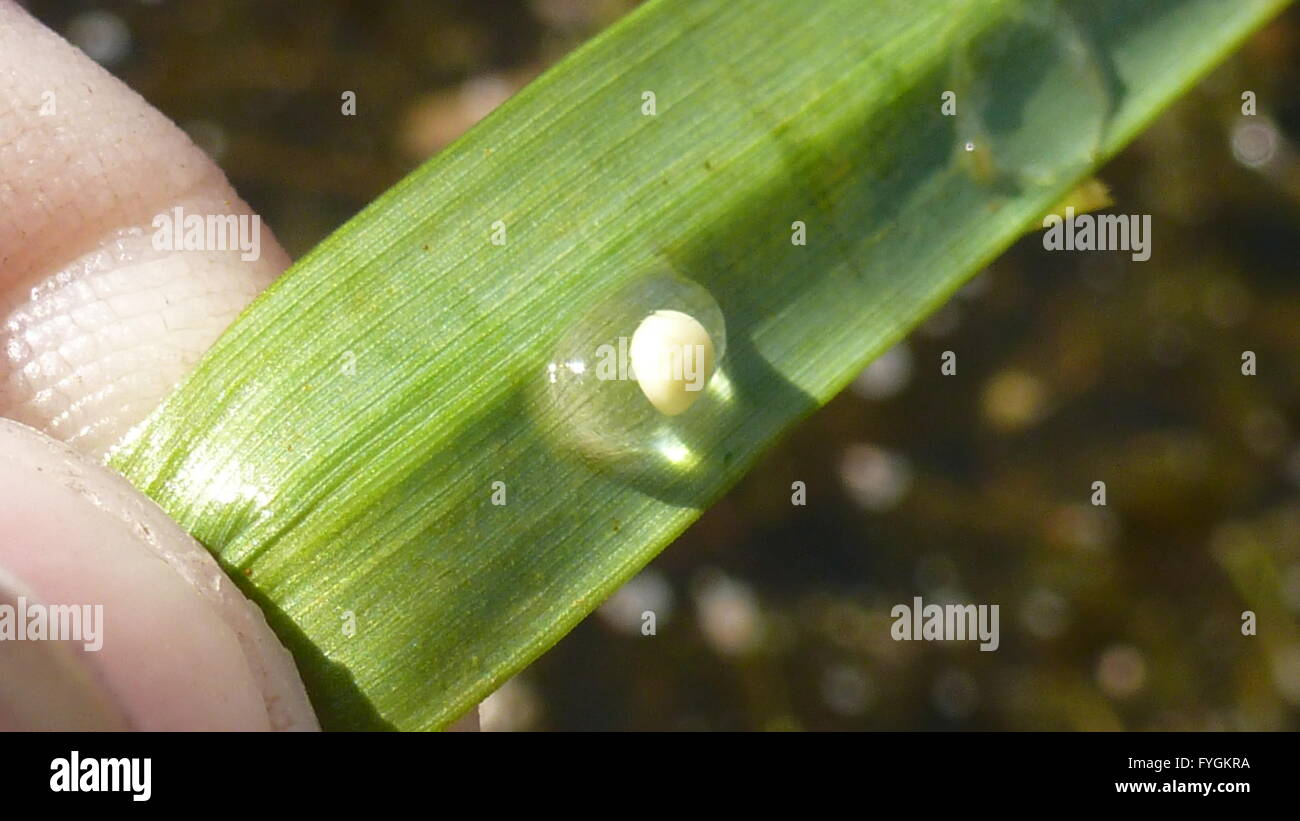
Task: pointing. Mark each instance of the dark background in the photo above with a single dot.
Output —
(772, 616)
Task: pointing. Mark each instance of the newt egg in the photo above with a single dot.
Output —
(672, 357)
(624, 373)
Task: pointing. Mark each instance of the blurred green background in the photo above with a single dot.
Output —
(1073, 368)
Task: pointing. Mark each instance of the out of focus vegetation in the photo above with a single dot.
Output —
(976, 488)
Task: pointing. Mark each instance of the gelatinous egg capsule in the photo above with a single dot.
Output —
(634, 372)
(1033, 100)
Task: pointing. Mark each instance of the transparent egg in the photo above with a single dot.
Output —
(1032, 92)
(636, 373)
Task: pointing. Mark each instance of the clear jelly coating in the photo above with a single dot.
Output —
(597, 403)
(1033, 95)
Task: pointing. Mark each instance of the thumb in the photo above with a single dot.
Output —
(99, 322)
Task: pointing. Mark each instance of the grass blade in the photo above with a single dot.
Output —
(338, 447)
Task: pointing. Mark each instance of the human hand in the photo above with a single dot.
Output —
(98, 326)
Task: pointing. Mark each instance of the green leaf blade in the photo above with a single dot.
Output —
(327, 492)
